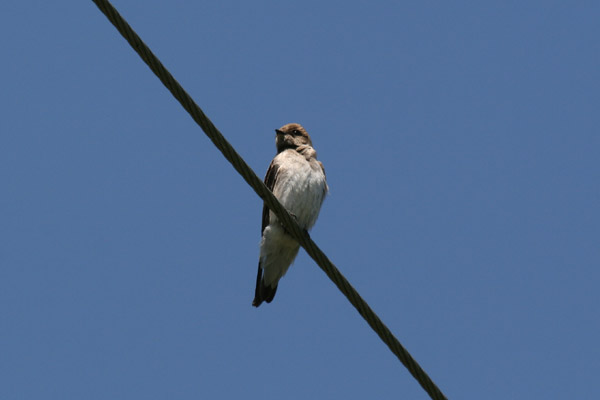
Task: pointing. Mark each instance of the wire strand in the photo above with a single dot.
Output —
(270, 200)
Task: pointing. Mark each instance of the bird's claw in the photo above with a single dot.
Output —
(295, 218)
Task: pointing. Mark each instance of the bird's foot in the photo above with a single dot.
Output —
(284, 228)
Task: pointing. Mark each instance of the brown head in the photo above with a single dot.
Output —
(291, 136)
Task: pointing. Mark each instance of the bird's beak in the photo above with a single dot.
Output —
(278, 132)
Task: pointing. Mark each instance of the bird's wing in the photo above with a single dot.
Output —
(263, 293)
(325, 187)
(270, 179)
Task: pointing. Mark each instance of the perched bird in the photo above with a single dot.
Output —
(298, 181)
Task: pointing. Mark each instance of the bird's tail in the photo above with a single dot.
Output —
(262, 292)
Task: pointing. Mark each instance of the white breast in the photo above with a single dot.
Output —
(300, 187)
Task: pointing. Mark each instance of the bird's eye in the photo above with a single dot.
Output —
(295, 132)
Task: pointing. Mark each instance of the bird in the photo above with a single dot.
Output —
(297, 179)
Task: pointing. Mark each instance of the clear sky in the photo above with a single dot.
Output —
(461, 143)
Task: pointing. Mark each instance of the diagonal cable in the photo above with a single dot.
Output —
(270, 200)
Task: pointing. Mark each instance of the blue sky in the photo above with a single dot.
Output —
(461, 148)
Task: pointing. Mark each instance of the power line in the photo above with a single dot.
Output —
(270, 200)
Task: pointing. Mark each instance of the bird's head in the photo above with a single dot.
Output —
(291, 136)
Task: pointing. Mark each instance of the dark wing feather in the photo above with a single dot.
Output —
(262, 293)
(270, 179)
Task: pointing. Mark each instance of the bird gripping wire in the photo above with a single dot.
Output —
(270, 200)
